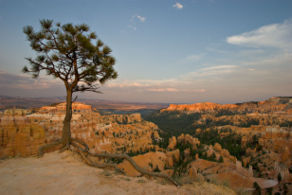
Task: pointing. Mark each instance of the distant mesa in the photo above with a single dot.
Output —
(199, 107)
(76, 107)
(211, 107)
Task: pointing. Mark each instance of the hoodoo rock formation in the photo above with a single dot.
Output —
(233, 144)
(23, 132)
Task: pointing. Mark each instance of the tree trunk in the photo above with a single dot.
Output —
(66, 134)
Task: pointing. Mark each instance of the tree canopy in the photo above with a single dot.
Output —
(68, 52)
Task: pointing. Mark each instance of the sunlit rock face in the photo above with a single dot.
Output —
(194, 142)
(275, 104)
(23, 131)
(264, 131)
(151, 161)
(199, 107)
(76, 107)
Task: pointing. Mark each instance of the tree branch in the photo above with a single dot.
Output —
(129, 159)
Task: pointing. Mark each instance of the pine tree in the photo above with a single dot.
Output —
(67, 52)
(279, 177)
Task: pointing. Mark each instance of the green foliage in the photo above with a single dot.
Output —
(174, 122)
(249, 122)
(164, 141)
(279, 177)
(151, 165)
(231, 142)
(156, 169)
(116, 160)
(269, 191)
(225, 112)
(68, 52)
(257, 188)
(286, 124)
(221, 159)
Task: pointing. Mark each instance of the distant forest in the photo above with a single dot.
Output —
(175, 123)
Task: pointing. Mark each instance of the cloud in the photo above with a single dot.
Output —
(141, 18)
(137, 17)
(134, 20)
(24, 85)
(194, 57)
(191, 59)
(143, 84)
(183, 83)
(213, 71)
(132, 27)
(163, 90)
(219, 68)
(273, 35)
(279, 60)
(16, 81)
(175, 85)
(127, 84)
(177, 5)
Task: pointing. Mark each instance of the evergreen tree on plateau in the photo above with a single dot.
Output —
(67, 52)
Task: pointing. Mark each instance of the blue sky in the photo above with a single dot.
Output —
(181, 51)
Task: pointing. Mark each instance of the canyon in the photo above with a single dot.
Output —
(236, 145)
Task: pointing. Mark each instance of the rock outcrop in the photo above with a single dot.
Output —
(151, 161)
(199, 107)
(23, 131)
(188, 139)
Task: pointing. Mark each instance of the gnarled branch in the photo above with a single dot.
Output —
(84, 153)
(48, 146)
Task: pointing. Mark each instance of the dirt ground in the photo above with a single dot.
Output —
(64, 173)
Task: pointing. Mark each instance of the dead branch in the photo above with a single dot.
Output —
(82, 149)
(89, 162)
(46, 147)
(137, 167)
(82, 143)
(84, 153)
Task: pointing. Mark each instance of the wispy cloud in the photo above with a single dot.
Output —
(128, 84)
(178, 6)
(194, 57)
(163, 89)
(273, 35)
(158, 86)
(135, 19)
(24, 85)
(25, 82)
(185, 84)
(218, 70)
(132, 27)
(141, 18)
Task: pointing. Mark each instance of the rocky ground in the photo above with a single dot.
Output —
(64, 173)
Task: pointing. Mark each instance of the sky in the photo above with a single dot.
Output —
(167, 51)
